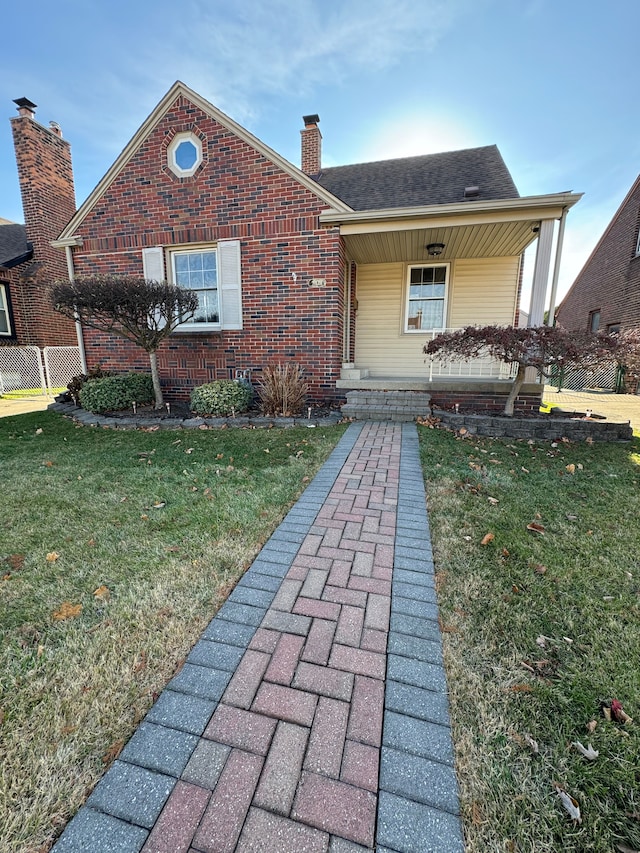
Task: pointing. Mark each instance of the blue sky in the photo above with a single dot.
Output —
(554, 83)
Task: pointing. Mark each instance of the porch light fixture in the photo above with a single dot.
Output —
(435, 249)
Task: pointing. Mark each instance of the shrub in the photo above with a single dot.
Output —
(75, 385)
(282, 390)
(222, 397)
(114, 393)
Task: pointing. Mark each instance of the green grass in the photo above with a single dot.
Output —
(578, 586)
(166, 522)
(19, 393)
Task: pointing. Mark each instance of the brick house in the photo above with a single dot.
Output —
(28, 262)
(606, 293)
(345, 271)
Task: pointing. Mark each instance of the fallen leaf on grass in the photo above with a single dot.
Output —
(39, 431)
(571, 805)
(570, 517)
(618, 713)
(140, 662)
(476, 814)
(591, 726)
(521, 688)
(52, 557)
(589, 752)
(622, 848)
(15, 561)
(159, 504)
(534, 527)
(488, 537)
(113, 752)
(48, 464)
(102, 593)
(493, 501)
(189, 451)
(66, 611)
(539, 569)
(570, 469)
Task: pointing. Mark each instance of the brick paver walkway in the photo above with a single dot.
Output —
(312, 715)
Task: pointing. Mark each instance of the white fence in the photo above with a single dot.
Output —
(474, 368)
(31, 370)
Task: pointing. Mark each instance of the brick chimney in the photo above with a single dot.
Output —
(46, 180)
(48, 202)
(311, 139)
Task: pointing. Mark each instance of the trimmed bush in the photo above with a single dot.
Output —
(221, 398)
(282, 389)
(115, 393)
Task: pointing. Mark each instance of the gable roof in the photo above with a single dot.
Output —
(14, 246)
(177, 90)
(421, 181)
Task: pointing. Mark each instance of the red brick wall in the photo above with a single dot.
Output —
(48, 201)
(236, 194)
(610, 281)
(476, 402)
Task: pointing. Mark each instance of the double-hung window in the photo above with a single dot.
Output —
(198, 270)
(5, 325)
(426, 297)
(212, 271)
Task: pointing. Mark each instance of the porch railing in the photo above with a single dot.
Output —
(475, 368)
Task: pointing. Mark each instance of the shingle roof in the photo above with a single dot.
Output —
(421, 181)
(14, 246)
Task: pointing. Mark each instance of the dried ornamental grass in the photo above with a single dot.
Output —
(282, 390)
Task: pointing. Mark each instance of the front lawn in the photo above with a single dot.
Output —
(116, 549)
(536, 551)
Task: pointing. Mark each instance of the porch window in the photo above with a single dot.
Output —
(426, 297)
(5, 326)
(198, 270)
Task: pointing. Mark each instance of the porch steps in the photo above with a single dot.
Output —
(403, 406)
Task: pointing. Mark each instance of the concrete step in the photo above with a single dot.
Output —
(404, 406)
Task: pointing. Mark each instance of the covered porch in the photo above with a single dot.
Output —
(414, 273)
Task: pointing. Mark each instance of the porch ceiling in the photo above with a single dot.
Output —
(482, 229)
(494, 239)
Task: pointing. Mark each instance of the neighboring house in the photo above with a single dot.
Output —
(346, 271)
(606, 294)
(28, 262)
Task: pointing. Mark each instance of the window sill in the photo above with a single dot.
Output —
(198, 328)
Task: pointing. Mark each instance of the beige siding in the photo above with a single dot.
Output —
(483, 291)
(480, 292)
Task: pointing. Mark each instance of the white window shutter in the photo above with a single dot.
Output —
(153, 263)
(230, 284)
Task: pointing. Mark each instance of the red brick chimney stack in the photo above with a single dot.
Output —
(46, 183)
(48, 202)
(311, 139)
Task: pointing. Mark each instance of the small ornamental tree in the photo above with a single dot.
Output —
(142, 311)
(540, 347)
(629, 357)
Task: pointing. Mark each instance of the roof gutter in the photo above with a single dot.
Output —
(67, 245)
(529, 204)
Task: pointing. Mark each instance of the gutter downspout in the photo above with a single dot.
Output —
(83, 354)
(551, 318)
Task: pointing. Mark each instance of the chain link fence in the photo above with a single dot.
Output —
(30, 371)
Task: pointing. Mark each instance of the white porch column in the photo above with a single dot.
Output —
(541, 273)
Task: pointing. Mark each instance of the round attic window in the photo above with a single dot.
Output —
(184, 154)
